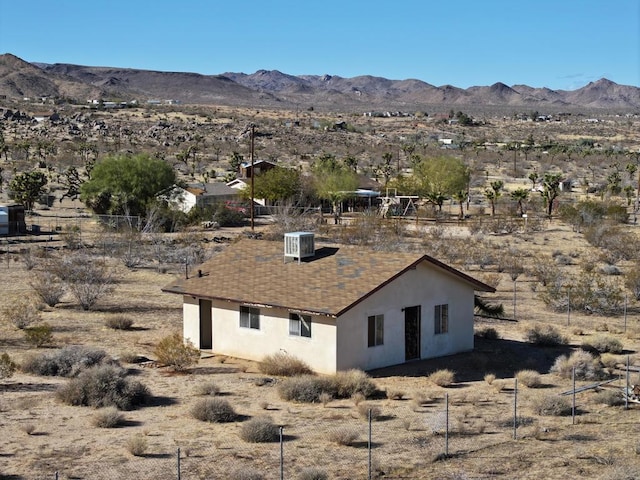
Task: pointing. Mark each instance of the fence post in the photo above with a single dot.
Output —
(369, 447)
(515, 410)
(178, 463)
(56, 475)
(281, 453)
(446, 425)
(573, 403)
(626, 387)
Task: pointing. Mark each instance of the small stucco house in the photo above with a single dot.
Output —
(334, 306)
(199, 194)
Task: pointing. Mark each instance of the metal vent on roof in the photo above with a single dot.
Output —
(298, 245)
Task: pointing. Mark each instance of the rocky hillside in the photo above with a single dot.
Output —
(20, 79)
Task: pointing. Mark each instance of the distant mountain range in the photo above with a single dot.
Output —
(19, 79)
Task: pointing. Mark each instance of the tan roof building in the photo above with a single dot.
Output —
(340, 307)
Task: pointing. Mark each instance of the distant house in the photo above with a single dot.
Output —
(199, 194)
(259, 166)
(336, 307)
(12, 219)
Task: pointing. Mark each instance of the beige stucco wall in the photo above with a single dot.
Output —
(229, 338)
(425, 286)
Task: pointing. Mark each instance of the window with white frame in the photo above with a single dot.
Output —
(375, 330)
(299, 325)
(441, 318)
(250, 317)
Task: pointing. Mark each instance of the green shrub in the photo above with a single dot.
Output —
(119, 322)
(343, 436)
(103, 386)
(137, 445)
(545, 336)
(587, 367)
(214, 410)
(207, 388)
(284, 365)
(68, 362)
(553, 405)
(260, 430)
(313, 473)
(603, 344)
(529, 378)
(442, 378)
(108, 417)
(39, 335)
(7, 366)
(173, 351)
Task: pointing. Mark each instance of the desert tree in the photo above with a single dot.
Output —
(279, 184)
(550, 190)
(493, 193)
(461, 197)
(520, 195)
(27, 187)
(333, 181)
(438, 178)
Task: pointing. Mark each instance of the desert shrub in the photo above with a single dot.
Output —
(365, 408)
(108, 417)
(603, 344)
(393, 394)
(207, 388)
(529, 378)
(7, 366)
(313, 473)
(103, 386)
(68, 362)
(489, 378)
(87, 278)
(346, 384)
(48, 287)
(545, 336)
(260, 430)
(552, 405)
(173, 351)
(28, 428)
(343, 436)
(119, 322)
(137, 445)
(632, 280)
(284, 365)
(609, 360)
(39, 335)
(442, 378)
(246, 473)
(304, 388)
(325, 398)
(611, 398)
(610, 270)
(489, 333)
(214, 410)
(587, 367)
(357, 398)
(20, 311)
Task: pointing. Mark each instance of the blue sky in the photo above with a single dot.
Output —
(560, 44)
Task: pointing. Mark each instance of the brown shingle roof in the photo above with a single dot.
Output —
(336, 279)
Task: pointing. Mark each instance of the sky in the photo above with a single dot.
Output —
(559, 44)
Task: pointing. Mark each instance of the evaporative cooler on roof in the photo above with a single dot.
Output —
(298, 245)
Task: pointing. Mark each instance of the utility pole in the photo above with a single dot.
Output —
(252, 175)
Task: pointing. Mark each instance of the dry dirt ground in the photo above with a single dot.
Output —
(40, 436)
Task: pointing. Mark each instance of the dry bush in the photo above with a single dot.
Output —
(20, 311)
(284, 365)
(39, 335)
(489, 378)
(357, 398)
(260, 430)
(176, 352)
(48, 287)
(207, 388)
(304, 388)
(68, 362)
(552, 405)
(609, 360)
(529, 378)
(313, 473)
(393, 394)
(325, 398)
(587, 367)
(7, 366)
(87, 278)
(214, 410)
(364, 410)
(345, 436)
(611, 398)
(246, 473)
(108, 417)
(488, 333)
(348, 383)
(442, 378)
(119, 322)
(603, 344)
(28, 428)
(545, 336)
(103, 386)
(137, 445)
